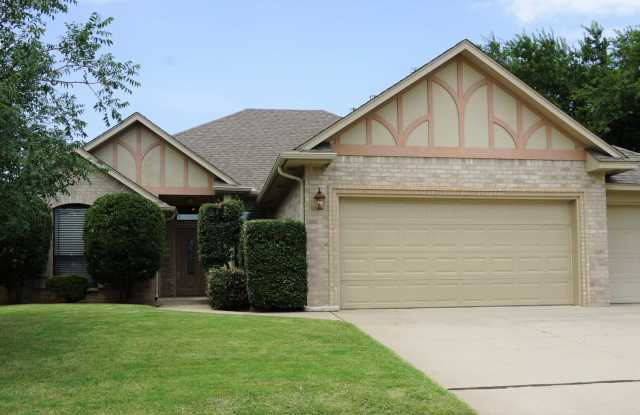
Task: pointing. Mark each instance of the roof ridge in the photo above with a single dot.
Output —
(252, 109)
(209, 122)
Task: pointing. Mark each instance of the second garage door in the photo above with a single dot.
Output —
(454, 252)
(624, 253)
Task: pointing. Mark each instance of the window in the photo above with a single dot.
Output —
(68, 246)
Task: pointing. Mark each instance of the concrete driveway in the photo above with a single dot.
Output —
(520, 360)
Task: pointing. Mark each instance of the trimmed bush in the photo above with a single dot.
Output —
(219, 232)
(25, 236)
(276, 264)
(227, 288)
(124, 237)
(71, 288)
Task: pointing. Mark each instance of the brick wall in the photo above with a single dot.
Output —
(289, 207)
(489, 176)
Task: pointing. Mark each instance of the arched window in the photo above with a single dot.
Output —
(68, 243)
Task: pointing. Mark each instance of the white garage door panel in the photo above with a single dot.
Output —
(418, 253)
(624, 254)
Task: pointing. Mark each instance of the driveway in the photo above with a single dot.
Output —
(520, 360)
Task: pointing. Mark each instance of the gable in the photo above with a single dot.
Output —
(147, 159)
(457, 111)
(497, 74)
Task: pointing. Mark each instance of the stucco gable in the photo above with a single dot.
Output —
(150, 157)
(461, 104)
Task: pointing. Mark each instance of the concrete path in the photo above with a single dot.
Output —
(520, 360)
(200, 305)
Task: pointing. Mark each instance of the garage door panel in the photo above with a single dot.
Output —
(624, 253)
(454, 252)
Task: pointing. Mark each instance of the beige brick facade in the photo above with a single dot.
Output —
(289, 207)
(484, 178)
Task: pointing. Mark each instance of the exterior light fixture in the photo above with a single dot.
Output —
(319, 199)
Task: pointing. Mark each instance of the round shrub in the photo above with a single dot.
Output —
(71, 288)
(219, 232)
(275, 260)
(25, 236)
(227, 288)
(124, 237)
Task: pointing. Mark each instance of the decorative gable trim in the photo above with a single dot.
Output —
(122, 179)
(476, 57)
(137, 117)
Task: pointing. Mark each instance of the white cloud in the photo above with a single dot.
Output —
(530, 10)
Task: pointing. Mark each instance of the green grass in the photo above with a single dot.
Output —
(121, 359)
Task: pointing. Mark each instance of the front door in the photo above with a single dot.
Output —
(190, 280)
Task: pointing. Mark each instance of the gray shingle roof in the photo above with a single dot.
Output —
(627, 177)
(246, 144)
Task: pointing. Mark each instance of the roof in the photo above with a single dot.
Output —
(247, 143)
(137, 117)
(627, 177)
(136, 188)
(481, 59)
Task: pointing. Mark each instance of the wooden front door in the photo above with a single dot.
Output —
(190, 280)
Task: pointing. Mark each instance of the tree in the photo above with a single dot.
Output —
(40, 118)
(124, 239)
(596, 81)
(24, 247)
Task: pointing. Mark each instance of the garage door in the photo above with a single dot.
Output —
(624, 254)
(444, 252)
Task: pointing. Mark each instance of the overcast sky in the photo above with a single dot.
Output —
(204, 59)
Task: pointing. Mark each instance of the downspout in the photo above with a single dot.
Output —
(157, 297)
(301, 182)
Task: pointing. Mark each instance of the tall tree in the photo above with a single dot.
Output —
(596, 80)
(40, 117)
(41, 120)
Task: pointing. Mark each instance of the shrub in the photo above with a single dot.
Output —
(25, 236)
(124, 236)
(227, 288)
(276, 264)
(71, 288)
(219, 232)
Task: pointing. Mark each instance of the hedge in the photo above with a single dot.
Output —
(227, 288)
(125, 240)
(275, 261)
(71, 288)
(219, 232)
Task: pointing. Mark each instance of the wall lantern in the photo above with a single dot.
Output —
(319, 199)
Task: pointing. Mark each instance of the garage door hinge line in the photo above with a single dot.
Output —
(543, 385)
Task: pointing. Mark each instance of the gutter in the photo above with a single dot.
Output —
(300, 182)
(593, 165)
(300, 157)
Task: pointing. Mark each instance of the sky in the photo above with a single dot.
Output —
(201, 60)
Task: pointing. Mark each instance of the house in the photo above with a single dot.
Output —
(457, 186)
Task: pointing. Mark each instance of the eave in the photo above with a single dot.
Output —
(293, 159)
(594, 165)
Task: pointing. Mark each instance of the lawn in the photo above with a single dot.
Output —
(126, 359)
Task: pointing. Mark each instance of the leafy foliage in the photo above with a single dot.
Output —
(219, 232)
(24, 242)
(124, 236)
(71, 288)
(596, 81)
(227, 288)
(275, 257)
(40, 117)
